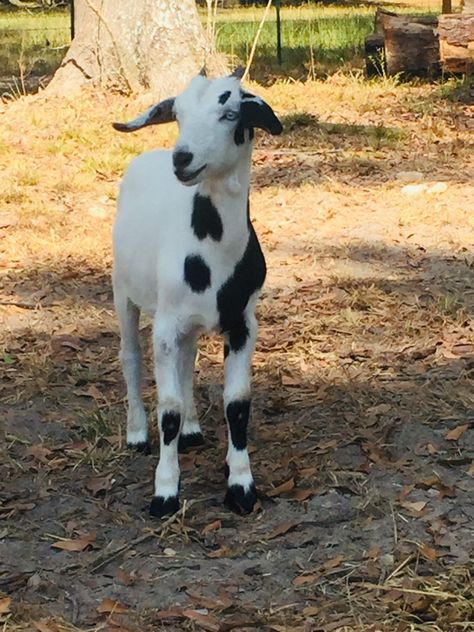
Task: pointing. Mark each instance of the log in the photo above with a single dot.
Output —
(468, 6)
(411, 44)
(456, 41)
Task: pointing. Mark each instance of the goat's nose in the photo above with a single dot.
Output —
(182, 159)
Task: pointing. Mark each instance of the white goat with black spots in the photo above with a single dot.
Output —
(186, 253)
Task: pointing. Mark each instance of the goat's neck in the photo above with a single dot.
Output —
(229, 195)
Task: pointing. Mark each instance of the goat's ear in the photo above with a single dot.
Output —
(254, 112)
(160, 113)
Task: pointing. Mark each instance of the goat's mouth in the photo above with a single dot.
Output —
(188, 177)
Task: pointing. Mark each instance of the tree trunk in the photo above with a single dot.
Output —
(131, 46)
(456, 38)
(411, 44)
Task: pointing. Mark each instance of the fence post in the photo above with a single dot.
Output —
(72, 19)
(278, 25)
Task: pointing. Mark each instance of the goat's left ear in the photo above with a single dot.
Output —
(254, 112)
(162, 112)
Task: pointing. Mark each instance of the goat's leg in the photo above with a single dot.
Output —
(241, 493)
(191, 434)
(167, 349)
(128, 316)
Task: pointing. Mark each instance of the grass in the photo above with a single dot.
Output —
(317, 39)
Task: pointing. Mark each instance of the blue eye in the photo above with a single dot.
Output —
(230, 116)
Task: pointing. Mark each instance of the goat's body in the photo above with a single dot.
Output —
(188, 255)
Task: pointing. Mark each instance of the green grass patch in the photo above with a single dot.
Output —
(316, 39)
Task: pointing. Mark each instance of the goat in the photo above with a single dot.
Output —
(186, 253)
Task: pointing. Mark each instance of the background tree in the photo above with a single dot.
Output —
(154, 45)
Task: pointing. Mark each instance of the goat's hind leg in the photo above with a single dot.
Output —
(128, 316)
(191, 435)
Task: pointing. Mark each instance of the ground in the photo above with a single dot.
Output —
(362, 435)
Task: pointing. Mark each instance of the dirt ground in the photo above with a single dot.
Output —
(362, 438)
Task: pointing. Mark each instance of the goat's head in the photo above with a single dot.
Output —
(216, 120)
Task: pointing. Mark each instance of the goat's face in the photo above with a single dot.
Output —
(216, 119)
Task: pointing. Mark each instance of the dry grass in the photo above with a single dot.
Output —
(366, 328)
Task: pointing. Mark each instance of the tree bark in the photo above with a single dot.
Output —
(411, 44)
(456, 38)
(152, 45)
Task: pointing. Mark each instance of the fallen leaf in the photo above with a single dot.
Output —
(222, 552)
(77, 545)
(212, 526)
(470, 471)
(282, 529)
(428, 553)
(285, 487)
(124, 578)
(310, 611)
(333, 562)
(414, 507)
(39, 452)
(211, 603)
(302, 494)
(108, 605)
(168, 614)
(99, 484)
(304, 579)
(5, 604)
(205, 621)
(455, 433)
(169, 552)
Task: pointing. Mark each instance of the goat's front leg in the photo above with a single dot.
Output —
(241, 493)
(191, 434)
(167, 350)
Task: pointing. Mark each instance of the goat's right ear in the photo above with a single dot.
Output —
(162, 112)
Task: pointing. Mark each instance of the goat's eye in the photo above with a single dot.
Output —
(230, 116)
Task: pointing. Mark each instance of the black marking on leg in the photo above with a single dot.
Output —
(143, 447)
(226, 350)
(190, 441)
(224, 97)
(170, 423)
(233, 296)
(197, 273)
(240, 501)
(205, 219)
(238, 418)
(160, 506)
(226, 470)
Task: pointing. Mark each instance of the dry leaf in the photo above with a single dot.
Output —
(282, 529)
(99, 484)
(414, 507)
(304, 579)
(211, 603)
(124, 578)
(77, 545)
(222, 552)
(302, 494)
(168, 614)
(310, 611)
(428, 553)
(205, 621)
(285, 487)
(455, 433)
(212, 526)
(5, 604)
(333, 562)
(108, 605)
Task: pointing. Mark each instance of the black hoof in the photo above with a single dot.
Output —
(239, 501)
(160, 506)
(190, 441)
(143, 447)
